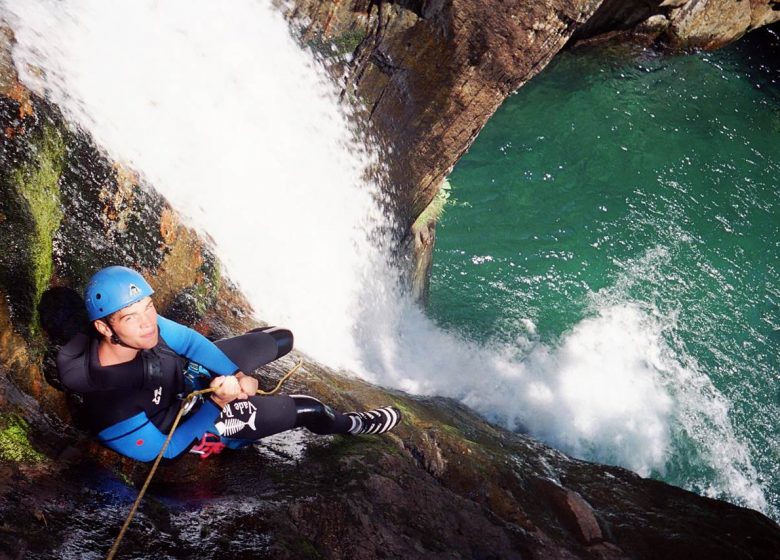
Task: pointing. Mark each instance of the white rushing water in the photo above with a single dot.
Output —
(227, 117)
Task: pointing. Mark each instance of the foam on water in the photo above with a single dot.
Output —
(699, 417)
(241, 131)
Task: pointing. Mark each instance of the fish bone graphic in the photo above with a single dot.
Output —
(234, 425)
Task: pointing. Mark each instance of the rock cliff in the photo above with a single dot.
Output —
(404, 55)
(431, 73)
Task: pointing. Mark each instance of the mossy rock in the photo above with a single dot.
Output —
(14, 441)
(348, 42)
(31, 165)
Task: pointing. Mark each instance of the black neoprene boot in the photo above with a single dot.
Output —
(377, 421)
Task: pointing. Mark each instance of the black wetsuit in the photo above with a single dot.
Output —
(131, 406)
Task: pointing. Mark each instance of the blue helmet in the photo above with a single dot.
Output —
(112, 289)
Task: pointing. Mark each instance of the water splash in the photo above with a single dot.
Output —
(705, 453)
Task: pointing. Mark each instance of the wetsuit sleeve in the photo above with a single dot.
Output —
(194, 346)
(138, 438)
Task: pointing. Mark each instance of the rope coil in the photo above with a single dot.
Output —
(149, 477)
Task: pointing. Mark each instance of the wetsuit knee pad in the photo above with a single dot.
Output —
(257, 347)
(283, 337)
(313, 415)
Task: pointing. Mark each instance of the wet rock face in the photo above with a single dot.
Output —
(444, 484)
(572, 509)
(681, 24)
(430, 74)
(711, 24)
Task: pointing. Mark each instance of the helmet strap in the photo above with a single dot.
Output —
(116, 340)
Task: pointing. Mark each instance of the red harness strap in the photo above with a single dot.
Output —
(209, 443)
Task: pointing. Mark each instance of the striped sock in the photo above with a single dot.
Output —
(377, 421)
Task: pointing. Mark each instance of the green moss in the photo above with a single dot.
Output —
(349, 41)
(38, 182)
(339, 46)
(407, 413)
(124, 477)
(14, 443)
(435, 209)
(342, 447)
(206, 293)
(360, 452)
(304, 550)
(453, 431)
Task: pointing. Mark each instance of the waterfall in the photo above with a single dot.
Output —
(242, 131)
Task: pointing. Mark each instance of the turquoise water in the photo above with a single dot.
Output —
(623, 179)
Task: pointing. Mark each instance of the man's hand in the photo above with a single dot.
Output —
(227, 389)
(248, 385)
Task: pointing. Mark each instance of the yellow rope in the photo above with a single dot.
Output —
(191, 396)
(282, 380)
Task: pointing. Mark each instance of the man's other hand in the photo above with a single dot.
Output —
(227, 389)
(248, 385)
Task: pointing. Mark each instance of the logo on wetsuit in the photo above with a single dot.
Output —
(241, 408)
(157, 395)
(230, 426)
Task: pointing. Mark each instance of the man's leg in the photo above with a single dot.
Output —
(257, 347)
(260, 416)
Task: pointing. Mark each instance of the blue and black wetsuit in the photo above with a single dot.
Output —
(131, 406)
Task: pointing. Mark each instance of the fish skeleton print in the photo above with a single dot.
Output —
(231, 426)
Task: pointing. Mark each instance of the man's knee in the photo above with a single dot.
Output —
(257, 347)
(283, 337)
(313, 414)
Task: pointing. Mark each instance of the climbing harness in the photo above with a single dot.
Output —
(185, 405)
(210, 444)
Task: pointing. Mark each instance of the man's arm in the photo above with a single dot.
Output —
(193, 345)
(196, 347)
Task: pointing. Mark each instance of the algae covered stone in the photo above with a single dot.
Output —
(14, 442)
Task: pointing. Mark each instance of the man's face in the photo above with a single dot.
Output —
(136, 324)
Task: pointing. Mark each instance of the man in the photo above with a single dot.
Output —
(134, 371)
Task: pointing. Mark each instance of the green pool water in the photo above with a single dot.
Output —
(623, 179)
